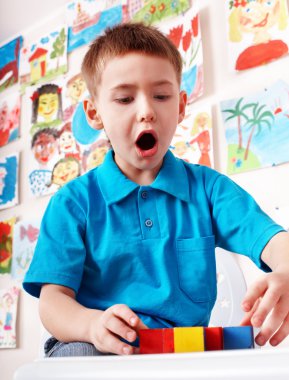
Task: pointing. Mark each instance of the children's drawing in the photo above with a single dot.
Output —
(45, 59)
(152, 12)
(9, 181)
(8, 317)
(24, 242)
(75, 92)
(193, 138)
(94, 155)
(257, 130)
(60, 150)
(9, 63)
(89, 18)
(258, 31)
(184, 32)
(9, 118)
(6, 243)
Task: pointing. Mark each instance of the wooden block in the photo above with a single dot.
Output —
(213, 338)
(156, 341)
(168, 341)
(151, 341)
(189, 339)
(238, 337)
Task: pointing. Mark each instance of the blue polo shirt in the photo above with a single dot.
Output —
(150, 247)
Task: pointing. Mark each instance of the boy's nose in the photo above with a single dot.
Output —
(146, 112)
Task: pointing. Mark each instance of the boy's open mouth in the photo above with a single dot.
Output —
(147, 144)
(146, 141)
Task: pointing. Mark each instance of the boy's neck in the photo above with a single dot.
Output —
(143, 177)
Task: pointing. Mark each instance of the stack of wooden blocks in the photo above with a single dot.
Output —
(192, 339)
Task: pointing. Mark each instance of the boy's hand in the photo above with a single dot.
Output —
(269, 297)
(118, 321)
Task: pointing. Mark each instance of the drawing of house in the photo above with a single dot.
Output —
(38, 64)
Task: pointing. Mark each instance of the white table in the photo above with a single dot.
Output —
(264, 364)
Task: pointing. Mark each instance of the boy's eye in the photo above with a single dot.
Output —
(125, 100)
(162, 97)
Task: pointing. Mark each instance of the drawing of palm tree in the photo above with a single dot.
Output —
(259, 119)
(239, 112)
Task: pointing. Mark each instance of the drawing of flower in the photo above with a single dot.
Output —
(175, 35)
(195, 26)
(162, 7)
(186, 40)
(152, 9)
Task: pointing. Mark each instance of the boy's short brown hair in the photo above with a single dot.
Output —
(123, 39)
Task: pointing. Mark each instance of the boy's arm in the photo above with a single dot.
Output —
(69, 321)
(267, 302)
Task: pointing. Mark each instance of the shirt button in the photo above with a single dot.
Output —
(144, 195)
(149, 223)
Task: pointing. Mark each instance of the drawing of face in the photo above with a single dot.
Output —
(259, 15)
(44, 147)
(48, 106)
(64, 171)
(76, 90)
(202, 120)
(67, 142)
(3, 173)
(180, 148)
(95, 158)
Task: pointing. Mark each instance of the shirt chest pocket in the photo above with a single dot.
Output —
(197, 268)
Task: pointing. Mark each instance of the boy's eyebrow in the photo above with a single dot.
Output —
(123, 86)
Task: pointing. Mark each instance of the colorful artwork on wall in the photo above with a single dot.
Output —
(152, 12)
(9, 118)
(8, 317)
(60, 148)
(45, 59)
(87, 19)
(9, 181)
(193, 138)
(257, 130)
(9, 63)
(6, 244)
(184, 31)
(24, 241)
(258, 31)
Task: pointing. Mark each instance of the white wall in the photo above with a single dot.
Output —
(269, 186)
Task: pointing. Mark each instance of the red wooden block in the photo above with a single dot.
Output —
(213, 338)
(168, 340)
(156, 341)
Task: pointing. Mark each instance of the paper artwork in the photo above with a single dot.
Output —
(8, 317)
(152, 12)
(184, 32)
(258, 31)
(61, 150)
(24, 242)
(193, 138)
(257, 129)
(9, 181)
(9, 118)
(89, 18)
(6, 243)
(45, 59)
(9, 63)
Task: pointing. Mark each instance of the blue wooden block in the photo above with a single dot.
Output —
(238, 337)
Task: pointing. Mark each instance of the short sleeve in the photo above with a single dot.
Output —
(240, 224)
(60, 251)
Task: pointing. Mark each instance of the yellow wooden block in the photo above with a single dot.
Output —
(189, 339)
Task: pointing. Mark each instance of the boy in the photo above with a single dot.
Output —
(130, 244)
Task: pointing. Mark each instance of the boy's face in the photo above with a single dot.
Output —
(139, 106)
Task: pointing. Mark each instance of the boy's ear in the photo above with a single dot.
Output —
(92, 116)
(182, 105)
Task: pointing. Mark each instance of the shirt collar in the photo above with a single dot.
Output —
(171, 179)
